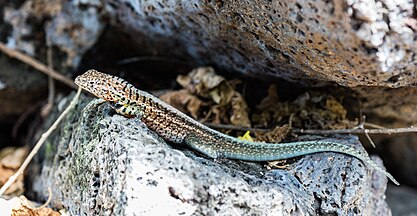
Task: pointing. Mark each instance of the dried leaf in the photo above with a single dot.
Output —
(24, 211)
(216, 115)
(336, 108)
(183, 101)
(270, 110)
(309, 110)
(270, 100)
(200, 81)
(11, 159)
(239, 115)
(274, 136)
(222, 94)
(14, 159)
(27, 207)
(222, 103)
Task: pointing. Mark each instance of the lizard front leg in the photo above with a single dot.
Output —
(129, 111)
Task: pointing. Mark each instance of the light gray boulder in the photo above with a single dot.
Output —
(101, 163)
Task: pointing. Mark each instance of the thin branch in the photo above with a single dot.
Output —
(373, 125)
(370, 140)
(23, 117)
(362, 126)
(410, 129)
(233, 127)
(47, 201)
(46, 109)
(37, 64)
(355, 130)
(39, 144)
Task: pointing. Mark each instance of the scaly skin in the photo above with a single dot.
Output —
(175, 126)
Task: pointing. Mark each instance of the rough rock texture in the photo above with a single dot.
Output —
(350, 42)
(71, 26)
(72, 30)
(101, 163)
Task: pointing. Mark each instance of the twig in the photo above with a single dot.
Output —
(47, 201)
(39, 144)
(370, 140)
(46, 109)
(23, 117)
(362, 126)
(373, 125)
(355, 130)
(36, 64)
(410, 129)
(233, 127)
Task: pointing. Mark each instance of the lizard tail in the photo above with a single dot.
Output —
(255, 151)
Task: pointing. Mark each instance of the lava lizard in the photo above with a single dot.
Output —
(177, 127)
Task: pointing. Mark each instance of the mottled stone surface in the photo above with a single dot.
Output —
(70, 26)
(28, 26)
(349, 42)
(99, 162)
(369, 43)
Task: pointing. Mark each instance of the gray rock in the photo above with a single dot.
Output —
(72, 27)
(98, 162)
(352, 43)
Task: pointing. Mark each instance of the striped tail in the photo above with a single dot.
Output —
(233, 148)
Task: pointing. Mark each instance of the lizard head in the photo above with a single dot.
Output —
(105, 86)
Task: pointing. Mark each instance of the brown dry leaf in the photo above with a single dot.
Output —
(17, 188)
(322, 111)
(239, 115)
(10, 161)
(27, 208)
(216, 115)
(204, 82)
(274, 136)
(271, 98)
(335, 107)
(25, 211)
(14, 158)
(200, 81)
(309, 110)
(270, 111)
(221, 102)
(183, 101)
(222, 94)
(235, 112)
